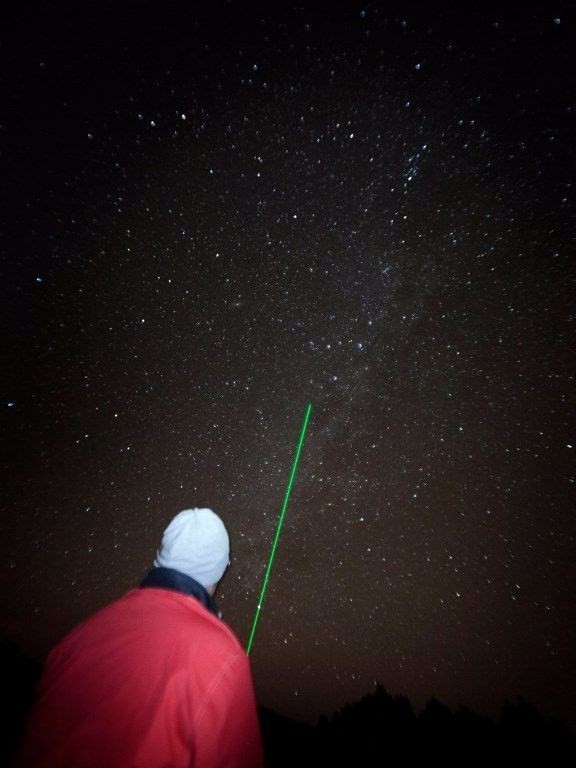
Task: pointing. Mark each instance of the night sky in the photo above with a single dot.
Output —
(217, 215)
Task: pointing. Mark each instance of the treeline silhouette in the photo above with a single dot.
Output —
(371, 732)
(18, 678)
(380, 728)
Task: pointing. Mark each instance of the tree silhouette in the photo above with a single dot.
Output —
(19, 675)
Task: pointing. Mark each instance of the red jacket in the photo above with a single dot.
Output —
(153, 680)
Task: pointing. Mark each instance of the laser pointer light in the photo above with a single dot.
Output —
(278, 528)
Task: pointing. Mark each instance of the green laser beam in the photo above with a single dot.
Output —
(278, 528)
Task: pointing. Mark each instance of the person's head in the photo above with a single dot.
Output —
(196, 543)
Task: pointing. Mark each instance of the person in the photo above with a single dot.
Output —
(156, 678)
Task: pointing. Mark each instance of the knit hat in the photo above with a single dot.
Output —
(195, 543)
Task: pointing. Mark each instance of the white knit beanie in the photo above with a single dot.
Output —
(195, 543)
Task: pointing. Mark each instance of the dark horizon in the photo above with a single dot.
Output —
(219, 213)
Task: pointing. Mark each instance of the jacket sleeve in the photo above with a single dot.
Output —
(228, 730)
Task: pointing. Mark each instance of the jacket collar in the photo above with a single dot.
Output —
(168, 578)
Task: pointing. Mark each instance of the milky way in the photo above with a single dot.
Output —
(218, 216)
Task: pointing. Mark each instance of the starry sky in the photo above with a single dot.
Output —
(217, 215)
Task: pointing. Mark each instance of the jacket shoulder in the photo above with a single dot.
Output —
(179, 614)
